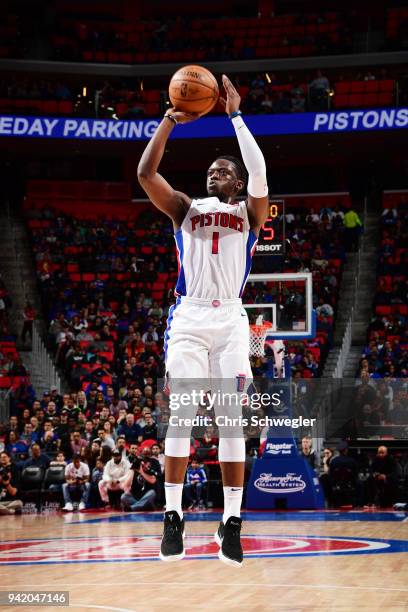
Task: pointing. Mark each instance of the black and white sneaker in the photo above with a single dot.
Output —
(172, 545)
(228, 538)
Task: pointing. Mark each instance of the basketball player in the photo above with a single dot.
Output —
(208, 331)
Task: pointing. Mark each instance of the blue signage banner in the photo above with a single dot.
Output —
(206, 127)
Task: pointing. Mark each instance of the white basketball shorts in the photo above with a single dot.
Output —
(207, 339)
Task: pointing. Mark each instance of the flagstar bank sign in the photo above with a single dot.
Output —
(206, 127)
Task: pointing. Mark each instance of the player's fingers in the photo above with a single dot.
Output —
(228, 84)
(222, 101)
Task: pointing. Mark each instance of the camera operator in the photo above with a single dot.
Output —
(140, 490)
(9, 502)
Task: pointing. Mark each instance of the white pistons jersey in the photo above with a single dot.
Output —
(214, 247)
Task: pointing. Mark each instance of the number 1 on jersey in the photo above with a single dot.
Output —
(215, 237)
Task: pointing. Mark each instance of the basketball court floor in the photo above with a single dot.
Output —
(294, 561)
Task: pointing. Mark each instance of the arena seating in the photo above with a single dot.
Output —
(397, 28)
(12, 372)
(385, 355)
(358, 94)
(111, 41)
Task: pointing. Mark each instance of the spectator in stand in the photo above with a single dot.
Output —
(343, 473)
(384, 475)
(324, 476)
(343, 461)
(77, 481)
(28, 316)
(50, 444)
(28, 437)
(282, 103)
(133, 452)
(37, 458)
(196, 479)
(89, 433)
(353, 228)
(106, 440)
(96, 477)
(308, 453)
(159, 455)
(131, 430)
(59, 460)
(121, 445)
(149, 431)
(319, 91)
(115, 476)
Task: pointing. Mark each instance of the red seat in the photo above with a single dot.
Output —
(50, 106)
(385, 99)
(386, 86)
(88, 277)
(342, 87)
(356, 100)
(341, 100)
(357, 86)
(372, 86)
(382, 310)
(146, 250)
(65, 107)
(371, 99)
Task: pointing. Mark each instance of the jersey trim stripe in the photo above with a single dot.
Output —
(169, 321)
(250, 249)
(181, 280)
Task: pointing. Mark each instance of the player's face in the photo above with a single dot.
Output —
(222, 180)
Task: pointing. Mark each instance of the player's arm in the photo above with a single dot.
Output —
(258, 200)
(173, 203)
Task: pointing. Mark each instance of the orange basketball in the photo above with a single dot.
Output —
(193, 89)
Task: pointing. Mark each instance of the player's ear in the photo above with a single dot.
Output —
(239, 185)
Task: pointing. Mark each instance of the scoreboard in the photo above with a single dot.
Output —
(271, 240)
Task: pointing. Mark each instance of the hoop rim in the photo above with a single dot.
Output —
(260, 328)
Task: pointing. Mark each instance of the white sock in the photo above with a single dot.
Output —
(174, 493)
(232, 502)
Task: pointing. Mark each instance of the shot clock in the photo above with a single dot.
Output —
(271, 240)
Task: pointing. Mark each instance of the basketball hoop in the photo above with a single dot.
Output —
(257, 337)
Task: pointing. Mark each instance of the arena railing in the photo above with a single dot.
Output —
(45, 364)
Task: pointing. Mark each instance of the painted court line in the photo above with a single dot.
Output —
(216, 584)
(99, 607)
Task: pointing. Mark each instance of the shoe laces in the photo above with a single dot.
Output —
(234, 528)
(171, 526)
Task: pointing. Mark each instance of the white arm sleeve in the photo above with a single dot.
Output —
(253, 159)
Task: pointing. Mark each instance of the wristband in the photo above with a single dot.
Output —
(235, 114)
(173, 119)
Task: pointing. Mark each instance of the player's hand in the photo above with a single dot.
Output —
(233, 99)
(182, 117)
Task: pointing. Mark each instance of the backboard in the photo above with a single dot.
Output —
(284, 300)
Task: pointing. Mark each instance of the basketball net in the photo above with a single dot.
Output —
(257, 337)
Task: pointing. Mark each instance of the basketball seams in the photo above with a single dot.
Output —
(195, 83)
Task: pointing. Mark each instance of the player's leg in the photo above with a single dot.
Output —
(186, 362)
(229, 365)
